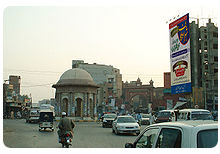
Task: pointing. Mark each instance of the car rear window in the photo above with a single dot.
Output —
(201, 116)
(109, 115)
(207, 138)
(126, 120)
(163, 114)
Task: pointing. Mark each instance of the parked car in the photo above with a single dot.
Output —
(179, 134)
(165, 116)
(195, 114)
(125, 124)
(145, 119)
(32, 116)
(108, 119)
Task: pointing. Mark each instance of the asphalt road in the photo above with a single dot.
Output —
(18, 134)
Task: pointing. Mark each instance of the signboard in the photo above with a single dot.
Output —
(180, 55)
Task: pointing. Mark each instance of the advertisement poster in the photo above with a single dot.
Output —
(180, 55)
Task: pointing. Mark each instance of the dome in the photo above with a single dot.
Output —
(76, 76)
(76, 73)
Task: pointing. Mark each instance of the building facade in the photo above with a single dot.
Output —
(204, 60)
(12, 100)
(109, 80)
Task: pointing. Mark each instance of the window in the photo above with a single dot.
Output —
(215, 59)
(147, 139)
(215, 34)
(215, 83)
(207, 138)
(215, 46)
(207, 85)
(169, 138)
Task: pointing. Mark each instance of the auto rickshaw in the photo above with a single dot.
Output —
(46, 120)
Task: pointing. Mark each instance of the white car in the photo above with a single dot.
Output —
(125, 124)
(145, 119)
(179, 134)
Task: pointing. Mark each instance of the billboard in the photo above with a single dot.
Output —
(180, 55)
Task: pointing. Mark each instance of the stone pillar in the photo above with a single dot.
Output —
(70, 103)
(87, 95)
(60, 103)
(84, 104)
(94, 105)
(73, 105)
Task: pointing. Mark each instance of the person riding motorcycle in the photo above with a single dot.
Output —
(65, 125)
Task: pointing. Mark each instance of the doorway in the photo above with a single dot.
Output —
(78, 107)
(65, 105)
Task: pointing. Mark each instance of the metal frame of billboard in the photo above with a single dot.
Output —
(180, 55)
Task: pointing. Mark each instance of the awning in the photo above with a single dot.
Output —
(178, 104)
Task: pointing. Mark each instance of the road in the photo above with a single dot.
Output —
(18, 134)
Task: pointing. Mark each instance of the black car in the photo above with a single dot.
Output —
(108, 119)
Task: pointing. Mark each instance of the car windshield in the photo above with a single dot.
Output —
(201, 116)
(34, 113)
(109, 115)
(207, 138)
(126, 120)
(145, 116)
(163, 114)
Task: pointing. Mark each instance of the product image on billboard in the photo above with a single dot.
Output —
(180, 55)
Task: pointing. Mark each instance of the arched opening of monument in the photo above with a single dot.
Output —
(65, 105)
(91, 107)
(78, 107)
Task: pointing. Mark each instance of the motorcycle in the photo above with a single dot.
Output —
(66, 139)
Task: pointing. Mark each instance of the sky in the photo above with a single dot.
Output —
(40, 40)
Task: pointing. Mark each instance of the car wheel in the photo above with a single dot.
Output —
(67, 145)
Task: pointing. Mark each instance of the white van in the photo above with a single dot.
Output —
(194, 114)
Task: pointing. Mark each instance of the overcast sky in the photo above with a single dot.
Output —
(40, 42)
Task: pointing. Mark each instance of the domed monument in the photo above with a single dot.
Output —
(76, 93)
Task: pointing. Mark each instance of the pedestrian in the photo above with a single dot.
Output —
(138, 116)
(65, 125)
(153, 117)
(12, 115)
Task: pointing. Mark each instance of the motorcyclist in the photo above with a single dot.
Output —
(65, 125)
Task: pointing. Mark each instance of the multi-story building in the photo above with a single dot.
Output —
(108, 78)
(204, 61)
(16, 82)
(12, 100)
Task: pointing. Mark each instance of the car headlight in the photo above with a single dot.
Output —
(137, 127)
(104, 120)
(119, 127)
